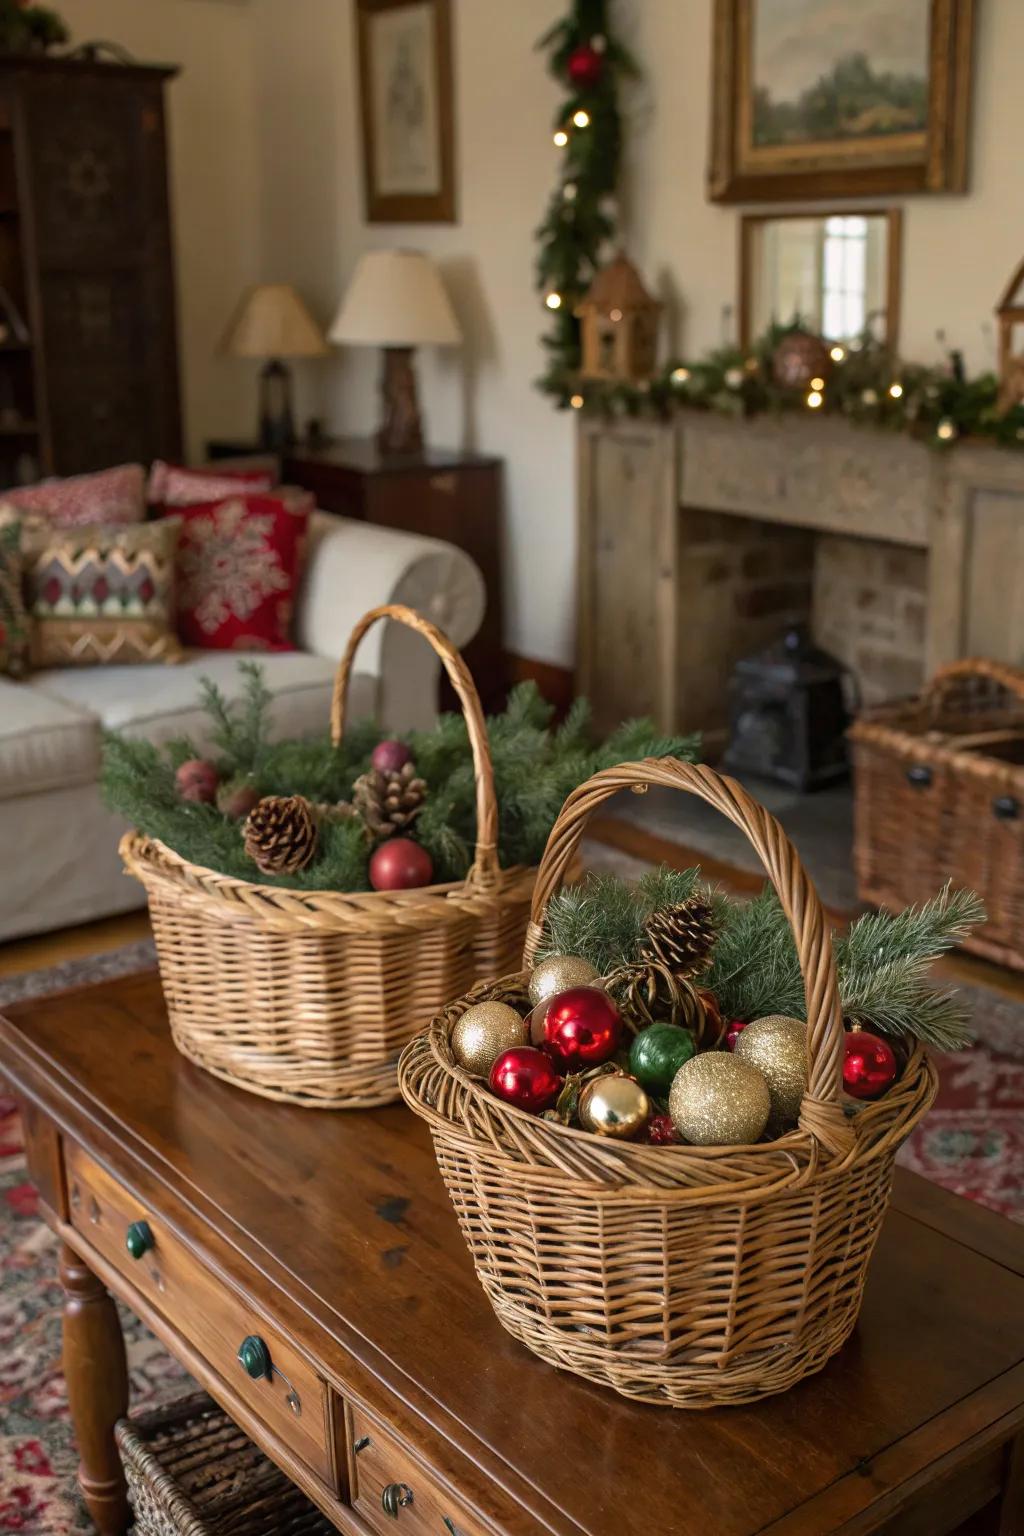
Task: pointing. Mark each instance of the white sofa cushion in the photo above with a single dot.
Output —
(160, 703)
(46, 743)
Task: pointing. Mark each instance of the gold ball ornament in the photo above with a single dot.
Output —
(484, 1032)
(614, 1105)
(557, 973)
(717, 1101)
(777, 1047)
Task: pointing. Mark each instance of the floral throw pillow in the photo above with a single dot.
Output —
(239, 564)
(109, 496)
(172, 485)
(14, 624)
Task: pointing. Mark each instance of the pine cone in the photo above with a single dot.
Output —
(281, 834)
(389, 802)
(680, 937)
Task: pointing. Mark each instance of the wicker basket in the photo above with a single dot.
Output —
(309, 996)
(690, 1276)
(192, 1472)
(939, 784)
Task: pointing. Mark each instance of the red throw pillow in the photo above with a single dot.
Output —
(172, 485)
(108, 496)
(239, 564)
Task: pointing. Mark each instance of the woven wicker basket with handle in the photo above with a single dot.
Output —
(309, 996)
(690, 1276)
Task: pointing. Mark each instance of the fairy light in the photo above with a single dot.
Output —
(581, 118)
(680, 375)
(569, 191)
(896, 391)
(576, 401)
(615, 315)
(553, 301)
(561, 138)
(818, 383)
(815, 398)
(946, 429)
(837, 353)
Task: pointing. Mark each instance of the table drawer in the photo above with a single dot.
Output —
(275, 1381)
(392, 1492)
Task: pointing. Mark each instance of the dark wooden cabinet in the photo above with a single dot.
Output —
(86, 260)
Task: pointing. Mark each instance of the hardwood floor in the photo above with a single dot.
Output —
(46, 949)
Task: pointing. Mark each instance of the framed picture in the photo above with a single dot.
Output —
(836, 98)
(406, 96)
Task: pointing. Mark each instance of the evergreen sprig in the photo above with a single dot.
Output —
(603, 918)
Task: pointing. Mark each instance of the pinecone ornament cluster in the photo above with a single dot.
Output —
(389, 801)
(281, 834)
(681, 937)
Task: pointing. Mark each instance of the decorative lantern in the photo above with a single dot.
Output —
(1010, 314)
(788, 714)
(619, 325)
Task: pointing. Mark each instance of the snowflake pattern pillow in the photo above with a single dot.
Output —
(239, 565)
(172, 485)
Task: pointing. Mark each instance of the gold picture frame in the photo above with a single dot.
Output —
(762, 150)
(406, 97)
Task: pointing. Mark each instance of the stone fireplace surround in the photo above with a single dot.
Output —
(701, 539)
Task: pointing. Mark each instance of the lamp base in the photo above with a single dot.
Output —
(277, 423)
(401, 429)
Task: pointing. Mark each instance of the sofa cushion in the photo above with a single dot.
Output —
(107, 496)
(45, 743)
(160, 703)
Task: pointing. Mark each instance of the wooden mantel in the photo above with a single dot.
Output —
(651, 502)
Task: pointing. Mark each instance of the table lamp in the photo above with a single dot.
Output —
(396, 300)
(272, 322)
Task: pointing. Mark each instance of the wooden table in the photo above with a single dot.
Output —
(329, 1237)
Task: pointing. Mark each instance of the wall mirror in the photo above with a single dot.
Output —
(838, 272)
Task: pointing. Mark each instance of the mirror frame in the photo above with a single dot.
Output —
(749, 223)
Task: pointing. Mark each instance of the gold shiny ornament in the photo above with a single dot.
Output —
(777, 1047)
(717, 1101)
(558, 972)
(614, 1105)
(483, 1032)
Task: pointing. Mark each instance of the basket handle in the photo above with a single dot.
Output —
(946, 678)
(484, 871)
(821, 1112)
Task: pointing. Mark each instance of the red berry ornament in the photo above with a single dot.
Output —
(585, 66)
(525, 1077)
(869, 1064)
(400, 865)
(733, 1030)
(390, 756)
(661, 1131)
(197, 780)
(580, 1028)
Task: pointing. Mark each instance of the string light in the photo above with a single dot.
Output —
(869, 396)
(896, 391)
(817, 383)
(569, 191)
(815, 398)
(561, 138)
(680, 375)
(581, 118)
(553, 301)
(576, 401)
(615, 314)
(837, 353)
(946, 429)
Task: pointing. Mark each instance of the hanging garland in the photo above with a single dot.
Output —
(587, 59)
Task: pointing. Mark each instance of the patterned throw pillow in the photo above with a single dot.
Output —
(110, 496)
(14, 626)
(239, 564)
(171, 485)
(101, 594)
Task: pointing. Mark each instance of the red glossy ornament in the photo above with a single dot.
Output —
(661, 1132)
(869, 1064)
(580, 1028)
(400, 865)
(734, 1029)
(585, 66)
(525, 1077)
(390, 756)
(197, 780)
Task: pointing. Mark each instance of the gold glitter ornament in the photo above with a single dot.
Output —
(483, 1032)
(557, 973)
(777, 1047)
(717, 1101)
(614, 1105)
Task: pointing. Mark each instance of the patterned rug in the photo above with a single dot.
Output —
(972, 1143)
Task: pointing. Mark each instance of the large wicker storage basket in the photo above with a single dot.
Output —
(192, 1472)
(690, 1276)
(939, 795)
(309, 996)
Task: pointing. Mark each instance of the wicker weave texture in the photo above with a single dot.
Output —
(688, 1276)
(309, 996)
(939, 795)
(192, 1472)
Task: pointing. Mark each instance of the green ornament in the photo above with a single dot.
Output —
(657, 1054)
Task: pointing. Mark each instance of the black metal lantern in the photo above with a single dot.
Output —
(788, 714)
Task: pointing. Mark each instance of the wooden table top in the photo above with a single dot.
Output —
(340, 1221)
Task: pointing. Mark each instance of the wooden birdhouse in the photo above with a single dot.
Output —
(1010, 314)
(619, 325)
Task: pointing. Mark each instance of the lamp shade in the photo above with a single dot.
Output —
(396, 299)
(273, 321)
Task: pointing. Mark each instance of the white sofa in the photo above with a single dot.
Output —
(58, 843)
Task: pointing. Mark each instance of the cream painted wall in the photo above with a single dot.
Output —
(215, 173)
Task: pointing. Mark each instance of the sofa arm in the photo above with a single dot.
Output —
(353, 566)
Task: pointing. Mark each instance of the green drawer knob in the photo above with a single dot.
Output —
(139, 1239)
(254, 1357)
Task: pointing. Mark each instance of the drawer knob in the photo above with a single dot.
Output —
(254, 1357)
(139, 1239)
(396, 1496)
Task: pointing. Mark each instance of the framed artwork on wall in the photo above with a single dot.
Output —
(407, 107)
(837, 98)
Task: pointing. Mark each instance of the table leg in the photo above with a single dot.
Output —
(97, 1376)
